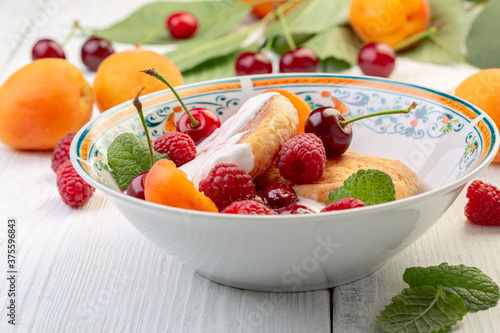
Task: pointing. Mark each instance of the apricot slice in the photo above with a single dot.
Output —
(167, 185)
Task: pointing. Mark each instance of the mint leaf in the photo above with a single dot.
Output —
(128, 155)
(147, 24)
(422, 309)
(483, 44)
(479, 291)
(370, 186)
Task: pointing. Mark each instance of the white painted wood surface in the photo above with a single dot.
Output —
(88, 270)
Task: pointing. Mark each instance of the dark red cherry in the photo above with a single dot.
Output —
(249, 63)
(208, 120)
(294, 209)
(377, 59)
(182, 25)
(47, 48)
(302, 59)
(136, 186)
(324, 122)
(335, 131)
(94, 51)
(279, 195)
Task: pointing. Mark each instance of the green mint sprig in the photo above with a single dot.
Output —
(370, 186)
(438, 297)
(129, 154)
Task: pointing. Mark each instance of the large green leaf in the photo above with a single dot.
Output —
(483, 42)
(147, 24)
(445, 46)
(337, 42)
(215, 68)
(313, 16)
(422, 309)
(192, 54)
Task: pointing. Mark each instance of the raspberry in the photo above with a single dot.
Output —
(227, 183)
(484, 204)
(302, 159)
(74, 191)
(61, 151)
(345, 203)
(179, 147)
(248, 207)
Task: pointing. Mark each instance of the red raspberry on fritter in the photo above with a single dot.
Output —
(302, 159)
(346, 203)
(74, 191)
(227, 183)
(248, 207)
(61, 151)
(179, 147)
(484, 204)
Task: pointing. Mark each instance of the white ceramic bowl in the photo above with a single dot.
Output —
(445, 140)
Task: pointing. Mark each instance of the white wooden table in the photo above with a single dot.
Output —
(89, 270)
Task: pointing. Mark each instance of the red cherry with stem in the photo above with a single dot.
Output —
(377, 59)
(299, 60)
(335, 131)
(47, 48)
(208, 123)
(94, 51)
(199, 127)
(136, 186)
(253, 63)
(182, 25)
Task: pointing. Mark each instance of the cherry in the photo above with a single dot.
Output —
(298, 60)
(198, 123)
(253, 63)
(47, 48)
(94, 51)
(294, 209)
(377, 59)
(279, 195)
(181, 25)
(208, 123)
(136, 186)
(334, 130)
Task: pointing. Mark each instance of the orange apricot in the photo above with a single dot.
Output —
(167, 185)
(303, 109)
(261, 9)
(42, 102)
(483, 90)
(118, 78)
(388, 21)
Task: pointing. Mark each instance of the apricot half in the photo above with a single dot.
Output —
(167, 185)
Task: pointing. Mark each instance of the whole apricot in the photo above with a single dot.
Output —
(118, 78)
(261, 9)
(41, 102)
(483, 90)
(388, 21)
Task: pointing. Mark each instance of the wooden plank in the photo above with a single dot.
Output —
(452, 239)
(90, 270)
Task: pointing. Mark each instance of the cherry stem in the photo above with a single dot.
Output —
(194, 123)
(286, 30)
(138, 105)
(381, 113)
(415, 38)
